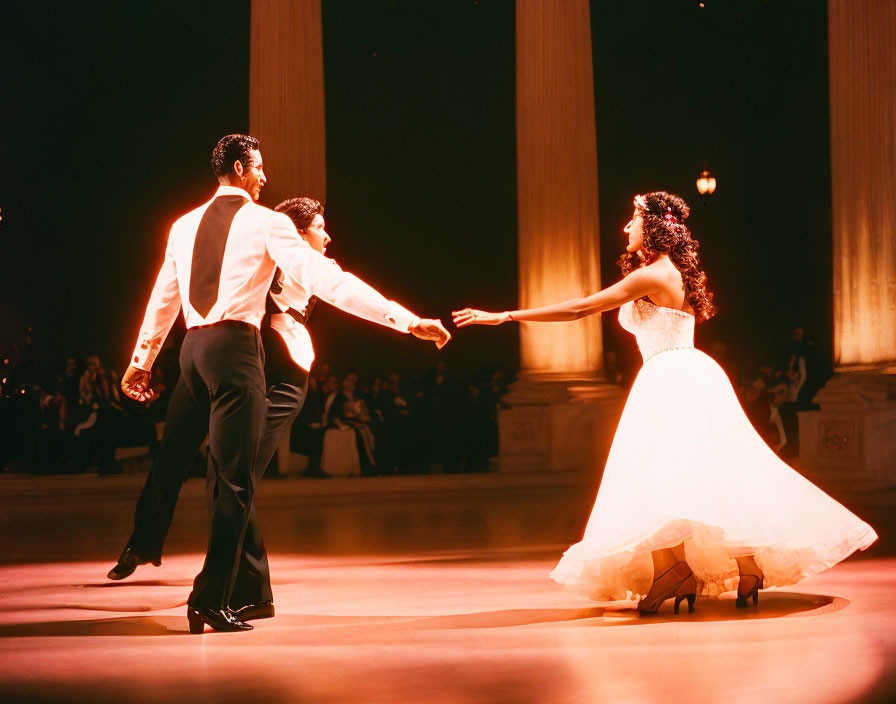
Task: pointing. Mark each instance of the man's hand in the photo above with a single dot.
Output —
(135, 384)
(429, 329)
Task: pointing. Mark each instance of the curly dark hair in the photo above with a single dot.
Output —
(300, 210)
(229, 150)
(664, 230)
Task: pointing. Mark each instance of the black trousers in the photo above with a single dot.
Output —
(186, 426)
(221, 367)
(253, 581)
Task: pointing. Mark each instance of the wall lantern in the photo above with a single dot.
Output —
(706, 182)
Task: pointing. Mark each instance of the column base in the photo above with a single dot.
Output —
(851, 441)
(558, 424)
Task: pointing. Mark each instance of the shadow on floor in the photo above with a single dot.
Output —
(118, 608)
(775, 605)
(772, 605)
(138, 583)
(129, 626)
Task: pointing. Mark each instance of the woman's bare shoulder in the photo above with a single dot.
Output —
(668, 281)
(659, 271)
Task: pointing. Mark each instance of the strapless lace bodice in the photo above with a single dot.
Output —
(656, 328)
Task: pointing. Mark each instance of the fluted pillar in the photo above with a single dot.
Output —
(853, 437)
(862, 39)
(560, 416)
(286, 96)
(558, 235)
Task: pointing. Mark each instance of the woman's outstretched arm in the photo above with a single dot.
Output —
(640, 283)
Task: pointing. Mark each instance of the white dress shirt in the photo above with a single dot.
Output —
(258, 242)
(357, 298)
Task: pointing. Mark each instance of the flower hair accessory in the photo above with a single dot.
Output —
(669, 217)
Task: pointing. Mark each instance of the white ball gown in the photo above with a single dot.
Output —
(687, 465)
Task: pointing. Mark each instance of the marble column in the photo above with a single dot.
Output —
(286, 97)
(853, 437)
(561, 415)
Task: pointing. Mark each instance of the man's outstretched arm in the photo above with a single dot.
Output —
(324, 278)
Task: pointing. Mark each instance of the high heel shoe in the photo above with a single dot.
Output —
(678, 581)
(687, 590)
(744, 593)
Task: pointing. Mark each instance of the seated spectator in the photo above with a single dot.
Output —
(347, 410)
(378, 399)
(475, 430)
(442, 402)
(339, 457)
(69, 388)
(94, 431)
(397, 420)
(757, 405)
(779, 395)
(332, 388)
(802, 376)
(307, 434)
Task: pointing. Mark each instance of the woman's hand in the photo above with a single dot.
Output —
(471, 316)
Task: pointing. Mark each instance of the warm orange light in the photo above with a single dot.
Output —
(706, 182)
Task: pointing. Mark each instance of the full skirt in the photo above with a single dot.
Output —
(687, 466)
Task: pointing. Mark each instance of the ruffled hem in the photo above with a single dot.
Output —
(626, 573)
(686, 466)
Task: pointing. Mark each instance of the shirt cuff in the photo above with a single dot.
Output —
(145, 354)
(400, 318)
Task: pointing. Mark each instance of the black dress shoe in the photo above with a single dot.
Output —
(251, 612)
(218, 619)
(128, 562)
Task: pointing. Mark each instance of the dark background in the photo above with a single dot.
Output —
(110, 112)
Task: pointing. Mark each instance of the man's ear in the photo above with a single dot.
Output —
(238, 168)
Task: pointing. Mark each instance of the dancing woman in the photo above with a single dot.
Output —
(692, 501)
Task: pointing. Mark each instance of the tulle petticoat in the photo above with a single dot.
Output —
(687, 465)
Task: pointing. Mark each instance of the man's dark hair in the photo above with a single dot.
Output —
(300, 210)
(230, 149)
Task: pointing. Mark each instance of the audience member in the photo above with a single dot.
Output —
(72, 418)
(775, 395)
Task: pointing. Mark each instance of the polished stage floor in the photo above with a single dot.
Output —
(365, 615)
